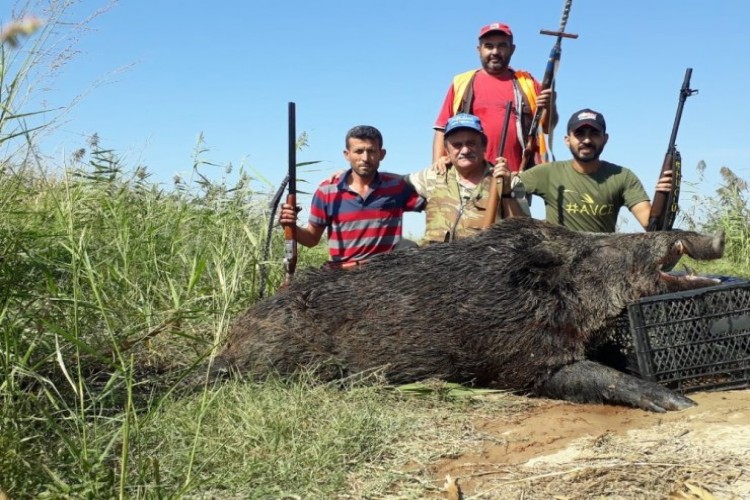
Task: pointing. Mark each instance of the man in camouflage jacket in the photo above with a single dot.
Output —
(457, 199)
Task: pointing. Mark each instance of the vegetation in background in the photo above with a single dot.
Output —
(726, 210)
(112, 288)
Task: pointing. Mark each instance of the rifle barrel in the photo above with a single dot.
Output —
(506, 121)
(665, 205)
(547, 81)
(292, 148)
(685, 92)
(496, 185)
(290, 232)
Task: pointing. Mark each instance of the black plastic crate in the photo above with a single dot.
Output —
(689, 341)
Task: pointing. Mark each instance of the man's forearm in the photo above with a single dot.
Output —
(641, 211)
(512, 208)
(309, 236)
(438, 145)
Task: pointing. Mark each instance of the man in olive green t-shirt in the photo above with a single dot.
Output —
(586, 193)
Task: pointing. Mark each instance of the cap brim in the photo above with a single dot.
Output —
(456, 129)
(502, 32)
(587, 123)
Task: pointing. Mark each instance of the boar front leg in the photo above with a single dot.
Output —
(591, 382)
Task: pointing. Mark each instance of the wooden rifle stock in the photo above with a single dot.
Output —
(529, 150)
(665, 205)
(496, 185)
(290, 232)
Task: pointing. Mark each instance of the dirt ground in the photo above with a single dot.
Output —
(562, 450)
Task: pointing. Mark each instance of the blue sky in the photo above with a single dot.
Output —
(227, 69)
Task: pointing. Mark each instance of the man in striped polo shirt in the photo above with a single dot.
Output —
(361, 210)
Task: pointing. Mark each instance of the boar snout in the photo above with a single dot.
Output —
(703, 247)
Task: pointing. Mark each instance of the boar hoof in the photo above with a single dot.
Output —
(591, 382)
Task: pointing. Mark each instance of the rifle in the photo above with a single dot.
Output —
(664, 209)
(290, 232)
(527, 159)
(496, 187)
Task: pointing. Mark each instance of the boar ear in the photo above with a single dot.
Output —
(541, 264)
(543, 257)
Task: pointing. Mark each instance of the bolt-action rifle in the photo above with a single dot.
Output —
(290, 232)
(496, 186)
(532, 139)
(665, 206)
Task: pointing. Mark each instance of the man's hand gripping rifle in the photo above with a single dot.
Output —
(290, 232)
(665, 205)
(532, 137)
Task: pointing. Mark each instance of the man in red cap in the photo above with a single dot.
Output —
(484, 92)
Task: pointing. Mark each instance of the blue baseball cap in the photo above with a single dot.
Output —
(464, 120)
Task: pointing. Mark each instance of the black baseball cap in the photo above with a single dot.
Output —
(587, 117)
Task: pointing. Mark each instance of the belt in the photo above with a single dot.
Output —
(345, 265)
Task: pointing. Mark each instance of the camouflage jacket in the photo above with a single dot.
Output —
(453, 211)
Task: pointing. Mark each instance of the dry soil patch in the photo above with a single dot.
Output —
(562, 450)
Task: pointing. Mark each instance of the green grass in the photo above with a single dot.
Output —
(106, 279)
(279, 439)
(112, 288)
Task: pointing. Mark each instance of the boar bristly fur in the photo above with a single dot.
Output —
(512, 308)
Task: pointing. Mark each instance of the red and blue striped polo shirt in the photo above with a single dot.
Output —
(360, 227)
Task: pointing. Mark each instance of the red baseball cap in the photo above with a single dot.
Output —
(499, 27)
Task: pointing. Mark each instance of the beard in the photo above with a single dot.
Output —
(494, 66)
(589, 156)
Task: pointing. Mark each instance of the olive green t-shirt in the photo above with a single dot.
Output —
(584, 202)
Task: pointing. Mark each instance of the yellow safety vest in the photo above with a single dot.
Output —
(525, 84)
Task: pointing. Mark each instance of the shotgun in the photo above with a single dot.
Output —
(665, 206)
(530, 148)
(496, 186)
(290, 232)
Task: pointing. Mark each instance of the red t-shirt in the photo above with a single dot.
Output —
(491, 94)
